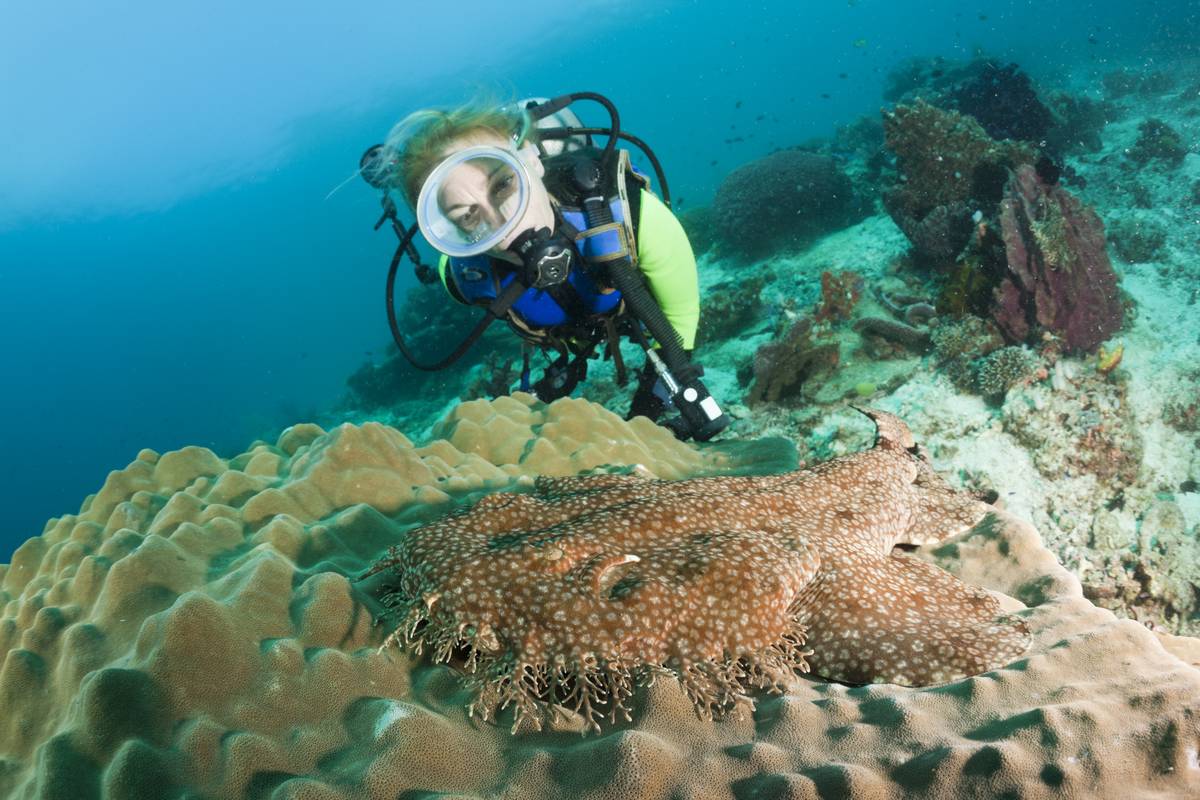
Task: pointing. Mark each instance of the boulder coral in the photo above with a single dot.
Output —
(783, 200)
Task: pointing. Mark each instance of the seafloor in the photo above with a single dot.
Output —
(199, 629)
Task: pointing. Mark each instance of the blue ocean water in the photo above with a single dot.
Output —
(175, 271)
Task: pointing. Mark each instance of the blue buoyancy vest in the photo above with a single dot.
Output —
(480, 279)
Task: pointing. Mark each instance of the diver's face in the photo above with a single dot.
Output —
(480, 195)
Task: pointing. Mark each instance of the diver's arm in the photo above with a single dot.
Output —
(666, 259)
(443, 269)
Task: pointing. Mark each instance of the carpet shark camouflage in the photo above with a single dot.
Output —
(560, 602)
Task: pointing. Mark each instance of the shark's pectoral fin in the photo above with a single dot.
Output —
(897, 619)
(941, 510)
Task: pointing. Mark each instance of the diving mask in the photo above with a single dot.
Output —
(474, 200)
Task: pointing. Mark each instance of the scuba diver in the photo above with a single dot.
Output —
(558, 236)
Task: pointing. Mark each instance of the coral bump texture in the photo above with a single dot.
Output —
(558, 602)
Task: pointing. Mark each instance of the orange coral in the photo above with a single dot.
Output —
(839, 294)
(1108, 360)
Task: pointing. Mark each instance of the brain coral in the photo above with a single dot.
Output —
(783, 200)
(193, 632)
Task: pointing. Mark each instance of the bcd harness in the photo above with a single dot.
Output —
(572, 317)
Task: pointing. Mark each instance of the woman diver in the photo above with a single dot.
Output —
(561, 238)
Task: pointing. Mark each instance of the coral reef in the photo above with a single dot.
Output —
(783, 200)
(968, 336)
(959, 346)
(1080, 121)
(729, 307)
(1120, 83)
(1184, 414)
(967, 286)
(1155, 579)
(700, 225)
(840, 293)
(1002, 99)
(1059, 276)
(1157, 141)
(926, 77)
(863, 137)
(948, 168)
(784, 366)
(381, 383)
(1137, 239)
(1002, 369)
(1090, 431)
(494, 377)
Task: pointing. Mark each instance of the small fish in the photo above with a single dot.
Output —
(937, 73)
(734, 139)
(826, 96)
(843, 75)
(760, 117)
(983, 17)
(860, 42)
(712, 163)
(738, 104)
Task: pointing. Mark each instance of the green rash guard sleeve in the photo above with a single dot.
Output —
(666, 259)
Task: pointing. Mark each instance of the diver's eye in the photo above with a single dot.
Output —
(504, 187)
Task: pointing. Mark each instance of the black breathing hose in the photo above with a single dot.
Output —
(543, 110)
(514, 290)
(566, 133)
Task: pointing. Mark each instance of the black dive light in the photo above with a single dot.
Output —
(699, 409)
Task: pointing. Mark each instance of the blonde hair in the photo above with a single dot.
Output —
(420, 139)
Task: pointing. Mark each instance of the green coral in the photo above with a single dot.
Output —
(1158, 141)
(1050, 234)
(1137, 239)
(968, 288)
